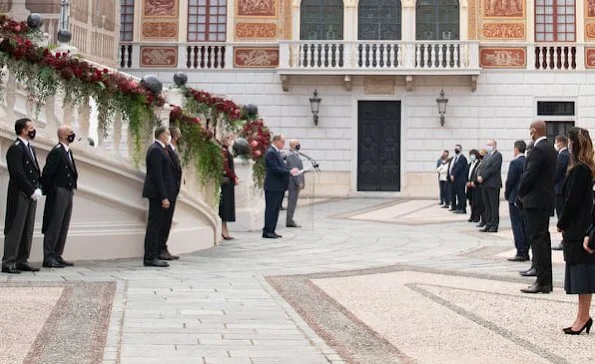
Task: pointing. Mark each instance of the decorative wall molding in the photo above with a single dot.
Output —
(503, 8)
(502, 57)
(256, 57)
(160, 9)
(256, 30)
(503, 30)
(168, 30)
(158, 56)
(257, 8)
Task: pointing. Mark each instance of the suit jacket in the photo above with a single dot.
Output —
(473, 170)
(177, 167)
(492, 170)
(575, 218)
(459, 169)
(277, 174)
(513, 180)
(294, 161)
(24, 177)
(160, 181)
(59, 170)
(537, 185)
(561, 167)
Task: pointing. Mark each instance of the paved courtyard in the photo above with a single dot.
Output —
(364, 281)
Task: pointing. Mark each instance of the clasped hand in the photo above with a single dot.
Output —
(586, 245)
(36, 194)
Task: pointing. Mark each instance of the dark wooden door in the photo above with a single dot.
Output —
(379, 146)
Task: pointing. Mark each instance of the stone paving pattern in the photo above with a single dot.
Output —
(215, 306)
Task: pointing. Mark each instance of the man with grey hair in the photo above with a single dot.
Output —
(296, 183)
(275, 184)
(490, 178)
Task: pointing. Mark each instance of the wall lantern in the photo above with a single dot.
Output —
(442, 101)
(315, 106)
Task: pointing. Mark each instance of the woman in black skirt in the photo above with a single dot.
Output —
(576, 224)
(227, 208)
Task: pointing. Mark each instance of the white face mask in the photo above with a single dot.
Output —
(169, 139)
(556, 147)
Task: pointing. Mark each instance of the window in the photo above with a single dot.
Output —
(437, 20)
(555, 20)
(126, 20)
(379, 20)
(558, 116)
(207, 20)
(321, 20)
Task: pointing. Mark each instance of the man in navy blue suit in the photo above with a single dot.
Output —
(276, 182)
(561, 167)
(458, 177)
(511, 191)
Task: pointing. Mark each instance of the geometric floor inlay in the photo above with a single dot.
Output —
(407, 314)
(54, 322)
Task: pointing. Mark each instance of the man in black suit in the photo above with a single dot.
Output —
(59, 180)
(458, 177)
(491, 183)
(276, 183)
(23, 193)
(561, 167)
(160, 188)
(172, 149)
(513, 180)
(536, 194)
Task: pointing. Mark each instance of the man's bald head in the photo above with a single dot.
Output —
(293, 143)
(63, 132)
(538, 129)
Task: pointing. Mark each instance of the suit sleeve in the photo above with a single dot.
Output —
(512, 179)
(16, 170)
(272, 164)
(49, 170)
(494, 167)
(580, 179)
(157, 173)
(561, 166)
(533, 167)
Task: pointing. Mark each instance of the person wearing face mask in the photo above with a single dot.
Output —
(490, 179)
(472, 192)
(160, 188)
(296, 183)
(458, 177)
(560, 145)
(227, 207)
(442, 169)
(23, 193)
(536, 196)
(58, 180)
(513, 180)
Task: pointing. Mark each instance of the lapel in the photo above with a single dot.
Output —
(32, 158)
(68, 158)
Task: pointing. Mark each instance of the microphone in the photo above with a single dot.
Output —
(312, 160)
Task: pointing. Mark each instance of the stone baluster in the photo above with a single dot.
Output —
(52, 120)
(441, 55)
(84, 118)
(306, 48)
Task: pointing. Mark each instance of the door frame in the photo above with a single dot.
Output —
(354, 145)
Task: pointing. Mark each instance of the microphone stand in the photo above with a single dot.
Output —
(316, 167)
(315, 164)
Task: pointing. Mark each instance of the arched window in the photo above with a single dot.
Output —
(437, 20)
(379, 20)
(555, 20)
(321, 20)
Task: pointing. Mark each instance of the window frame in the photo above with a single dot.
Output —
(321, 9)
(399, 24)
(123, 14)
(438, 5)
(207, 23)
(554, 24)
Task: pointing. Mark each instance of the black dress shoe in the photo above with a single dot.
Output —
(227, 237)
(269, 236)
(462, 212)
(445, 206)
(65, 262)
(558, 247)
(475, 220)
(155, 263)
(492, 229)
(587, 325)
(518, 258)
(277, 235)
(292, 225)
(481, 224)
(52, 263)
(536, 288)
(529, 273)
(25, 267)
(469, 220)
(11, 269)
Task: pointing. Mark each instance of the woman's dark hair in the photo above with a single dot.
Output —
(582, 149)
(475, 152)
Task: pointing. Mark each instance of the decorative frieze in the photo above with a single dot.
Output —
(159, 56)
(256, 30)
(590, 58)
(161, 8)
(503, 8)
(502, 57)
(256, 57)
(162, 30)
(257, 8)
(504, 30)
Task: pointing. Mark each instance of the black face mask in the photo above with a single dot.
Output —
(457, 151)
(31, 134)
(297, 147)
(71, 137)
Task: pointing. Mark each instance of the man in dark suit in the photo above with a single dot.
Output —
(296, 183)
(536, 195)
(23, 193)
(458, 177)
(491, 183)
(561, 167)
(59, 180)
(172, 149)
(513, 180)
(160, 188)
(276, 182)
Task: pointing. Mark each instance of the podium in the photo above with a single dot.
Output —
(249, 200)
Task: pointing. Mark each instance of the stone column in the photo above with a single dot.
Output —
(350, 25)
(463, 20)
(408, 20)
(249, 201)
(295, 19)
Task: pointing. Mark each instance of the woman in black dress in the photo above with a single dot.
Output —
(227, 208)
(576, 224)
(472, 191)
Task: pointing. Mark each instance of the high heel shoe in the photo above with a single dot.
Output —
(587, 326)
(227, 237)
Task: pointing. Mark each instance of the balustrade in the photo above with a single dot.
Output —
(555, 57)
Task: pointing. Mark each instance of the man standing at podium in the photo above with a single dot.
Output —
(296, 183)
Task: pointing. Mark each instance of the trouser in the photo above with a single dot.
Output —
(166, 226)
(444, 197)
(157, 215)
(518, 230)
(56, 231)
(538, 221)
(17, 240)
(453, 195)
(461, 199)
(292, 199)
(273, 200)
(491, 200)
